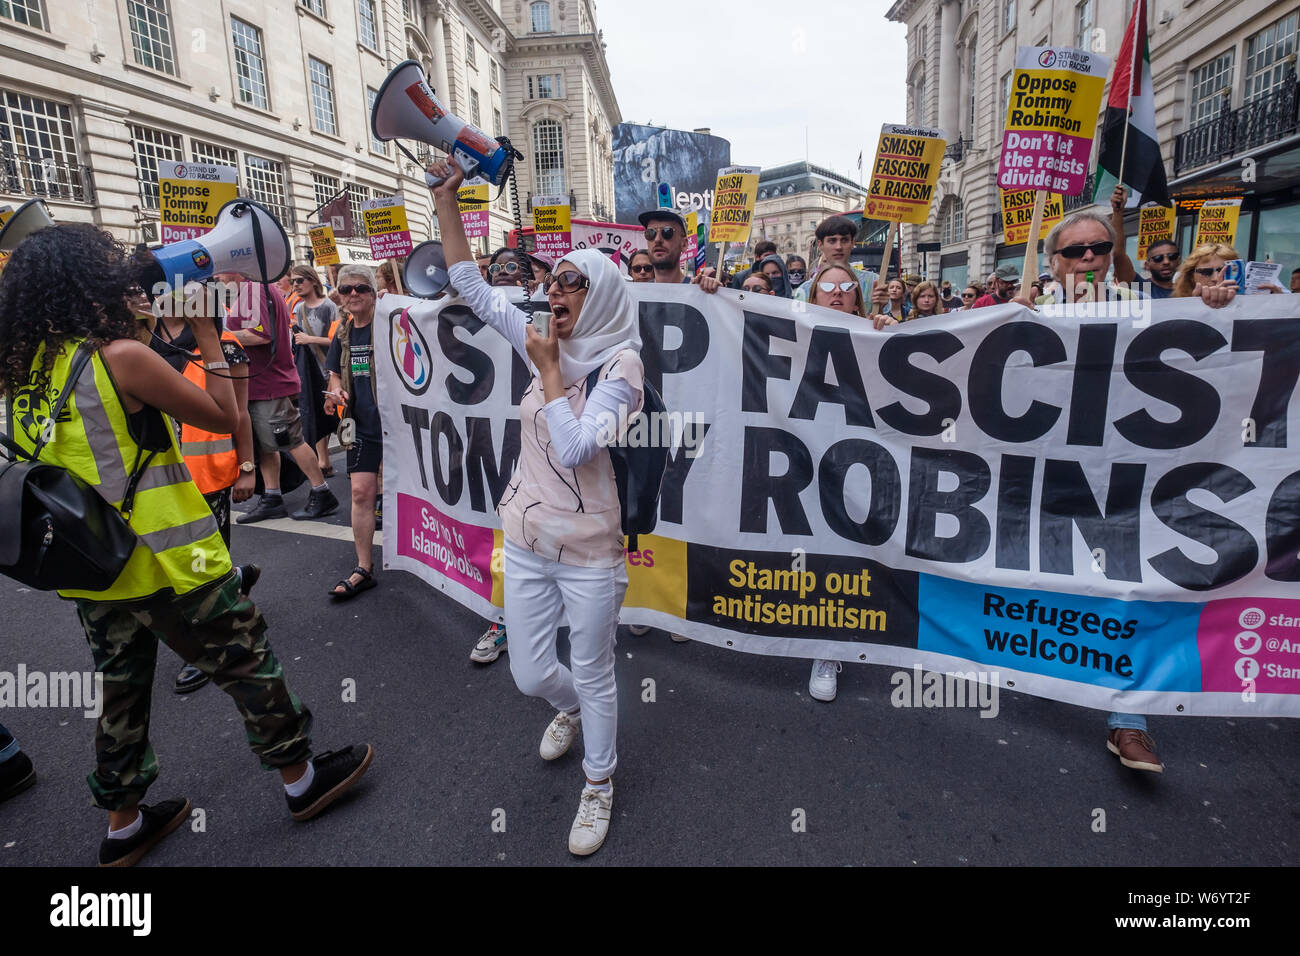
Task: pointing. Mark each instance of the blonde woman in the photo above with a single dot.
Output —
(926, 301)
(1201, 274)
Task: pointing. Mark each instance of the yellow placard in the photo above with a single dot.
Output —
(1155, 222)
(1018, 215)
(386, 226)
(904, 173)
(323, 249)
(472, 198)
(1217, 221)
(5, 213)
(552, 225)
(1051, 119)
(734, 194)
(189, 197)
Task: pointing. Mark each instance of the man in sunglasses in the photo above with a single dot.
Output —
(665, 237)
(1003, 284)
(1163, 257)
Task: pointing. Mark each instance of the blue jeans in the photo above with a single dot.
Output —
(1118, 721)
(8, 746)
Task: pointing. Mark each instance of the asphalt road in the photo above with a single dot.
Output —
(715, 770)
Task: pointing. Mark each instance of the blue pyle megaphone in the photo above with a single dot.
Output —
(30, 217)
(246, 239)
(425, 272)
(406, 108)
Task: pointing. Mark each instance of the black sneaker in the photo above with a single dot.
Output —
(248, 575)
(159, 821)
(336, 772)
(319, 504)
(16, 775)
(266, 508)
(190, 679)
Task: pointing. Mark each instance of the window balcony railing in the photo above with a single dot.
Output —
(1258, 123)
(45, 178)
(957, 150)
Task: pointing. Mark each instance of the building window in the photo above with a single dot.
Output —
(970, 91)
(1008, 15)
(250, 64)
(548, 158)
(151, 34)
(322, 96)
(1212, 88)
(1270, 56)
(473, 109)
(357, 194)
(264, 183)
(38, 152)
(324, 187)
(1084, 17)
(494, 74)
(369, 21)
(951, 225)
(315, 6)
(540, 14)
(201, 152)
(152, 147)
(376, 145)
(918, 98)
(470, 56)
(545, 87)
(1006, 93)
(496, 123)
(26, 12)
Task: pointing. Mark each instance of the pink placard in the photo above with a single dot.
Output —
(391, 245)
(1250, 639)
(461, 552)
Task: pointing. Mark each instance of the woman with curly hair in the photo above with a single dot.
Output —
(1201, 274)
(178, 586)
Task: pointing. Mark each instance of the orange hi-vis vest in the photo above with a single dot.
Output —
(210, 456)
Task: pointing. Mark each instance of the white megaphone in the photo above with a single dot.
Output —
(406, 108)
(425, 272)
(246, 239)
(30, 217)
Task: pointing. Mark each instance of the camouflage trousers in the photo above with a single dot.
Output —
(219, 631)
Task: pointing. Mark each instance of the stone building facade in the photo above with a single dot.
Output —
(792, 199)
(90, 103)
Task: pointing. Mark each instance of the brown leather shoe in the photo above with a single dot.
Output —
(1135, 749)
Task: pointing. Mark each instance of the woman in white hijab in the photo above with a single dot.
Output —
(560, 513)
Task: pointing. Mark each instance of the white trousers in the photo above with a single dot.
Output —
(539, 594)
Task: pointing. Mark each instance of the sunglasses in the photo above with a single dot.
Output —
(567, 281)
(968, 295)
(509, 268)
(1209, 272)
(832, 286)
(1096, 248)
(1165, 257)
(640, 269)
(297, 280)
(362, 289)
(668, 232)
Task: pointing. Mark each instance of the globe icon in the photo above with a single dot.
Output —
(1251, 618)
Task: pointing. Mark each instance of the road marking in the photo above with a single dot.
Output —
(319, 529)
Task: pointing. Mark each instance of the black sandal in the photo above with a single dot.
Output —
(351, 590)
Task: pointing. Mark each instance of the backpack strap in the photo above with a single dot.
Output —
(79, 361)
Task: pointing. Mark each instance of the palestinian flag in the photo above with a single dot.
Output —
(1132, 102)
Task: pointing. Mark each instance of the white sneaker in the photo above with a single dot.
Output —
(680, 638)
(822, 682)
(490, 646)
(639, 629)
(591, 825)
(559, 736)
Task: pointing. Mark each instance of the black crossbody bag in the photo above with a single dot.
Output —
(56, 532)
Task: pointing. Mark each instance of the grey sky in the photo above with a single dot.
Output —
(837, 67)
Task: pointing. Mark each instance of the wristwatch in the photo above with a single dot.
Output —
(246, 467)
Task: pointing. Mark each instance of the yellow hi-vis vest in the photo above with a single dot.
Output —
(180, 546)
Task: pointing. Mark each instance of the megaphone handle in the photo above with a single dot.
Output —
(469, 166)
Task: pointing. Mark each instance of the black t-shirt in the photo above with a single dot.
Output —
(176, 352)
(362, 408)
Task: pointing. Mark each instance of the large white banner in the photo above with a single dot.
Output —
(1102, 506)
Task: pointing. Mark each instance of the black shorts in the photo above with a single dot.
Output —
(365, 455)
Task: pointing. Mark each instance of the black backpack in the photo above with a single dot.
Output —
(638, 472)
(56, 532)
